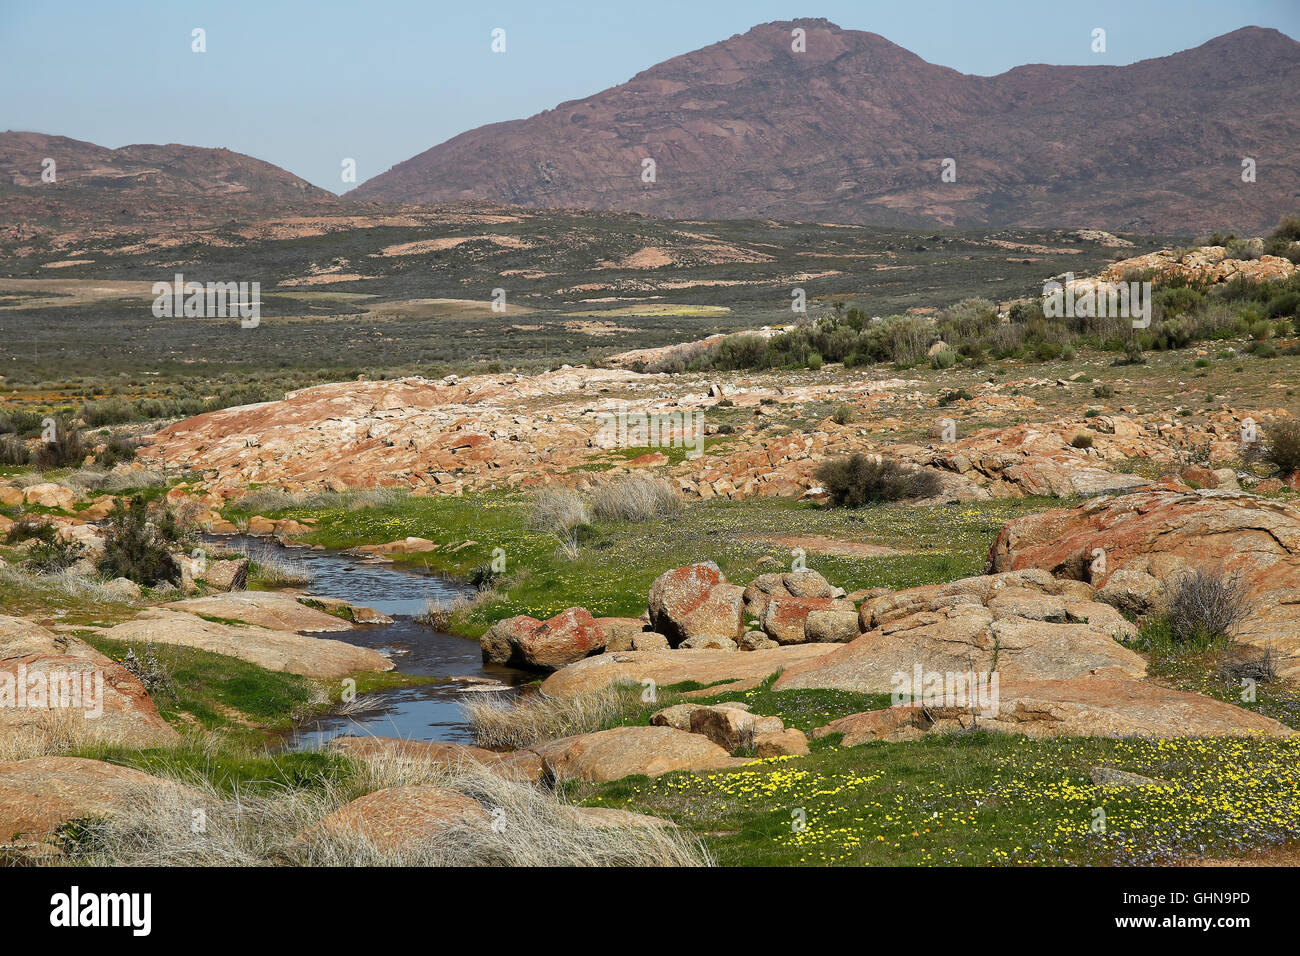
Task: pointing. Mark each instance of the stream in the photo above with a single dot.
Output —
(426, 712)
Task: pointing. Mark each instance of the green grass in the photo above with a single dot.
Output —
(619, 560)
(982, 799)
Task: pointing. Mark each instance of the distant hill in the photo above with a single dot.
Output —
(855, 130)
(95, 186)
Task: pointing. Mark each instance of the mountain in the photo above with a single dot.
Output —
(180, 184)
(856, 129)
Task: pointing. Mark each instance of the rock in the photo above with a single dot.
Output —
(612, 818)
(742, 671)
(678, 716)
(1024, 627)
(260, 527)
(731, 728)
(623, 751)
(275, 650)
(50, 495)
(1094, 706)
(1165, 532)
(790, 742)
(757, 641)
(123, 589)
(708, 642)
(785, 618)
(10, 496)
(520, 765)
(1132, 592)
(807, 584)
(650, 641)
(276, 610)
(524, 641)
(619, 633)
(224, 575)
(398, 818)
(831, 626)
(1110, 777)
(410, 545)
(40, 794)
(696, 601)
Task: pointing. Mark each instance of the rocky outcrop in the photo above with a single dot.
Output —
(1021, 626)
(279, 610)
(276, 650)
(1082, 707)
(1149, 538)
(524, 641)
(623, 751)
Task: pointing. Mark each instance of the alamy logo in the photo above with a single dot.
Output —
(627, 429)
(1087, 299)
(73, 909)
(53, 690)
(213, 300)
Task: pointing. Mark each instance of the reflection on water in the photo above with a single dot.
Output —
(426, 712)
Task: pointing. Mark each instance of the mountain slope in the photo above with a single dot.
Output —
(168, 183)
(856, 129)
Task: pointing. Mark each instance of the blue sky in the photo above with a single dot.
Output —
(305, 84)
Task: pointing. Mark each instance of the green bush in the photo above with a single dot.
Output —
(138, 544)
(857, 480)
(1282, 446)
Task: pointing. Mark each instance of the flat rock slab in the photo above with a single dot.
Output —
(615, 819)
(399, 817)
(64, 679)
(521, 765)
(276, 650)
(1086, 707)
(744, 669)
(270, 609)
(623, 751)
(39, 794)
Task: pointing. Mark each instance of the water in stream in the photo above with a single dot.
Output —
(426, 712)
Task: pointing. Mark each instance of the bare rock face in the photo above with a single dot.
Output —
(621, 633)
(1150, 537)
(624, 751)
(729, 727)
(524, 641)
(39, 794)
(46, 679)
(276, 650)
(522, 765)
(1021, 626)
(1092, 706)
(399, 817)
(665, 667)
(272, 609)
(696, 601)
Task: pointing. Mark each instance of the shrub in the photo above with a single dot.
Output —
(635, 498)
(956, 395)
(138, 545)
(13, 452)
(842, 415)
(53, 555)
(1282, 445)
(857, 480)
(1206, 607)
(1103, 390)
(943, 359)
(67, 448)
(1081, 441)
(116, 451)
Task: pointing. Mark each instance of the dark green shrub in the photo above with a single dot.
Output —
(857, 480)
(138, 544)
(1282, 446)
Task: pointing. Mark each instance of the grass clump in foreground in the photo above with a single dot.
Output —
(247, 824)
